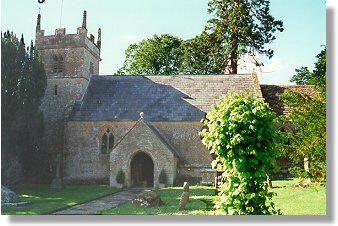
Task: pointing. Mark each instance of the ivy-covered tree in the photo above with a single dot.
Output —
(241, 27)
(242, 135)
(23, 82)
(160, 55)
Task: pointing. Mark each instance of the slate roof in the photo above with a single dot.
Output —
(271, 95)
(161, 98)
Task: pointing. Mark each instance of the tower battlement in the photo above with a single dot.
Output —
(69, 54)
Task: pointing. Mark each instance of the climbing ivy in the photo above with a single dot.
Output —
(240, 133)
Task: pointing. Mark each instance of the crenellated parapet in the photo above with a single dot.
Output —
(66, 54)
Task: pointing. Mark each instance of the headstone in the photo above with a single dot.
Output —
(268, 180)
(186, 187)
(306, 168)
(9, 198)
(57, 182)
(184, 197)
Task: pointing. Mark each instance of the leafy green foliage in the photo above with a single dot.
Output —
(23, 82)
(317, 77)
(242, 136)
(120, 177)
(198, 55)
(163, 177)
(306, 133)
(241, 27)
(158, 55)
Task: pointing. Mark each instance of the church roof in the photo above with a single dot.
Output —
(161, 98)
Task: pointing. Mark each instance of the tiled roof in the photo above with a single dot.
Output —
(161, 98)
(271, 95)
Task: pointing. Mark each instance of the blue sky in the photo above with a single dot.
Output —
(128, 21)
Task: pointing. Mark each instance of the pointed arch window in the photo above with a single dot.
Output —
(107, 142)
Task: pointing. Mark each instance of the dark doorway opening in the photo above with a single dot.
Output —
(142, 170)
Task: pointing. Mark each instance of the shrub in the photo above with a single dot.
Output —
(120, 177)
(241, 134)
(163, 177)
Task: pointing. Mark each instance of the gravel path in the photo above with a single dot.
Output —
(108, 202)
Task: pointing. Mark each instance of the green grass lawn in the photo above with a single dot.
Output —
(299, 201)
(44, 200)
(292, 201)
(200, 202)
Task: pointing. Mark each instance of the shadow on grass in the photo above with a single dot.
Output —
(209, 204)
(282, 179)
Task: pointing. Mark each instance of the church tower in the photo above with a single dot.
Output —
(69, 61)
(69, 55)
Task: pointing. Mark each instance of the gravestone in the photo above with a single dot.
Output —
(184, 197)
(9, 198)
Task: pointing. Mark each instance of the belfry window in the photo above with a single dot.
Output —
(107, 142)
(57, 64)
(55, 90)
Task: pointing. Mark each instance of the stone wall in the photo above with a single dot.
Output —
(60, 95)
(84, 161)
(82, 156)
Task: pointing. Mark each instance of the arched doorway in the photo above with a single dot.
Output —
(142, 170)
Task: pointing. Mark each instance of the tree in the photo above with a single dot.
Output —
(158, 55)
(306, 123)
(240, 27)
(197, 56)
(242, 135)
(317, 77)
(306, 134)
(23, 82)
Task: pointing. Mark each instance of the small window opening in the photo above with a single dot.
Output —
(57, 64)
(55, 90)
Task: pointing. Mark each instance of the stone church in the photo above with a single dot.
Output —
(142, 125)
